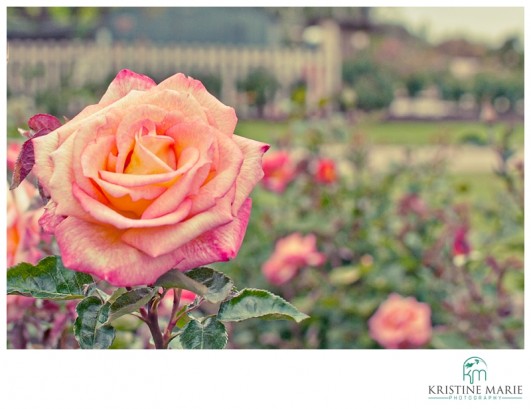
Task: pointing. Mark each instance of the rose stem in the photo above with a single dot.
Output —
(152, 320)
(173, 316)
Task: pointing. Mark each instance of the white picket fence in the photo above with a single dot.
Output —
(44, 65)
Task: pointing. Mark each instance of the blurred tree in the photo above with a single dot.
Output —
(260, 86)
(416, 82)
(511, 53)
(309, 15)
(451, 88)
(54, 22)
(489, 86)
(373, 85)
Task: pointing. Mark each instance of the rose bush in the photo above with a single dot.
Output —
(149, 179)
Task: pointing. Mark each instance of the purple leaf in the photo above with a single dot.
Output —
(24, 164)
(40, 124)
(44, 121)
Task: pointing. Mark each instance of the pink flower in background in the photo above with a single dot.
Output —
(13, 149)
(150, 178)
(167, 302)
(17, 306)
(23, 237)
(461, 246)
(23, 230)
(326, 171)
(412, 204)
(291, 254)
(401, 323)
(279, 170)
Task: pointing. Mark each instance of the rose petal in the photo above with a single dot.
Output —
(49, 220)
(126, 81)
(145, 162)
(43, 148)
(98, 250)
(186, 186)
(223, 175)
(104, 214)
(62, 180)
(162, 240)
(127, 199)
(219, 115)
(136, 118)
(251, 171)
(178, 103)
(93, 158)
(221, 244)
(128, 180)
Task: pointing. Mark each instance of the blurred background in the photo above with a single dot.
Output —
(396, 164)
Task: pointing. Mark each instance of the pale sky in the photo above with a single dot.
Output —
(487, 24)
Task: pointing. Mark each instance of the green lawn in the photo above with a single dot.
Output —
(424, 133)
(401, 133)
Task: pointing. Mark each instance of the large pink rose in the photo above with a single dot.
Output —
(150, 178)
(291, 254)
(401, 323)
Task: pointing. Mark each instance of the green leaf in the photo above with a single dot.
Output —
(185, 319)
(177, 279)
(254, 303)
(49, 279)
(212, 285)
(89, 328)
(129, 302)
(218, 284)
(118, 292)
(209, 334)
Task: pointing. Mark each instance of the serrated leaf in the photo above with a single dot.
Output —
(255, 303)
(89, 328)
(212, 285)
(129, 302)
(209, 334)
(218, 284)
(49, 279)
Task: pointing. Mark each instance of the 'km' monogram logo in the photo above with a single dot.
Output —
(475, 369)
